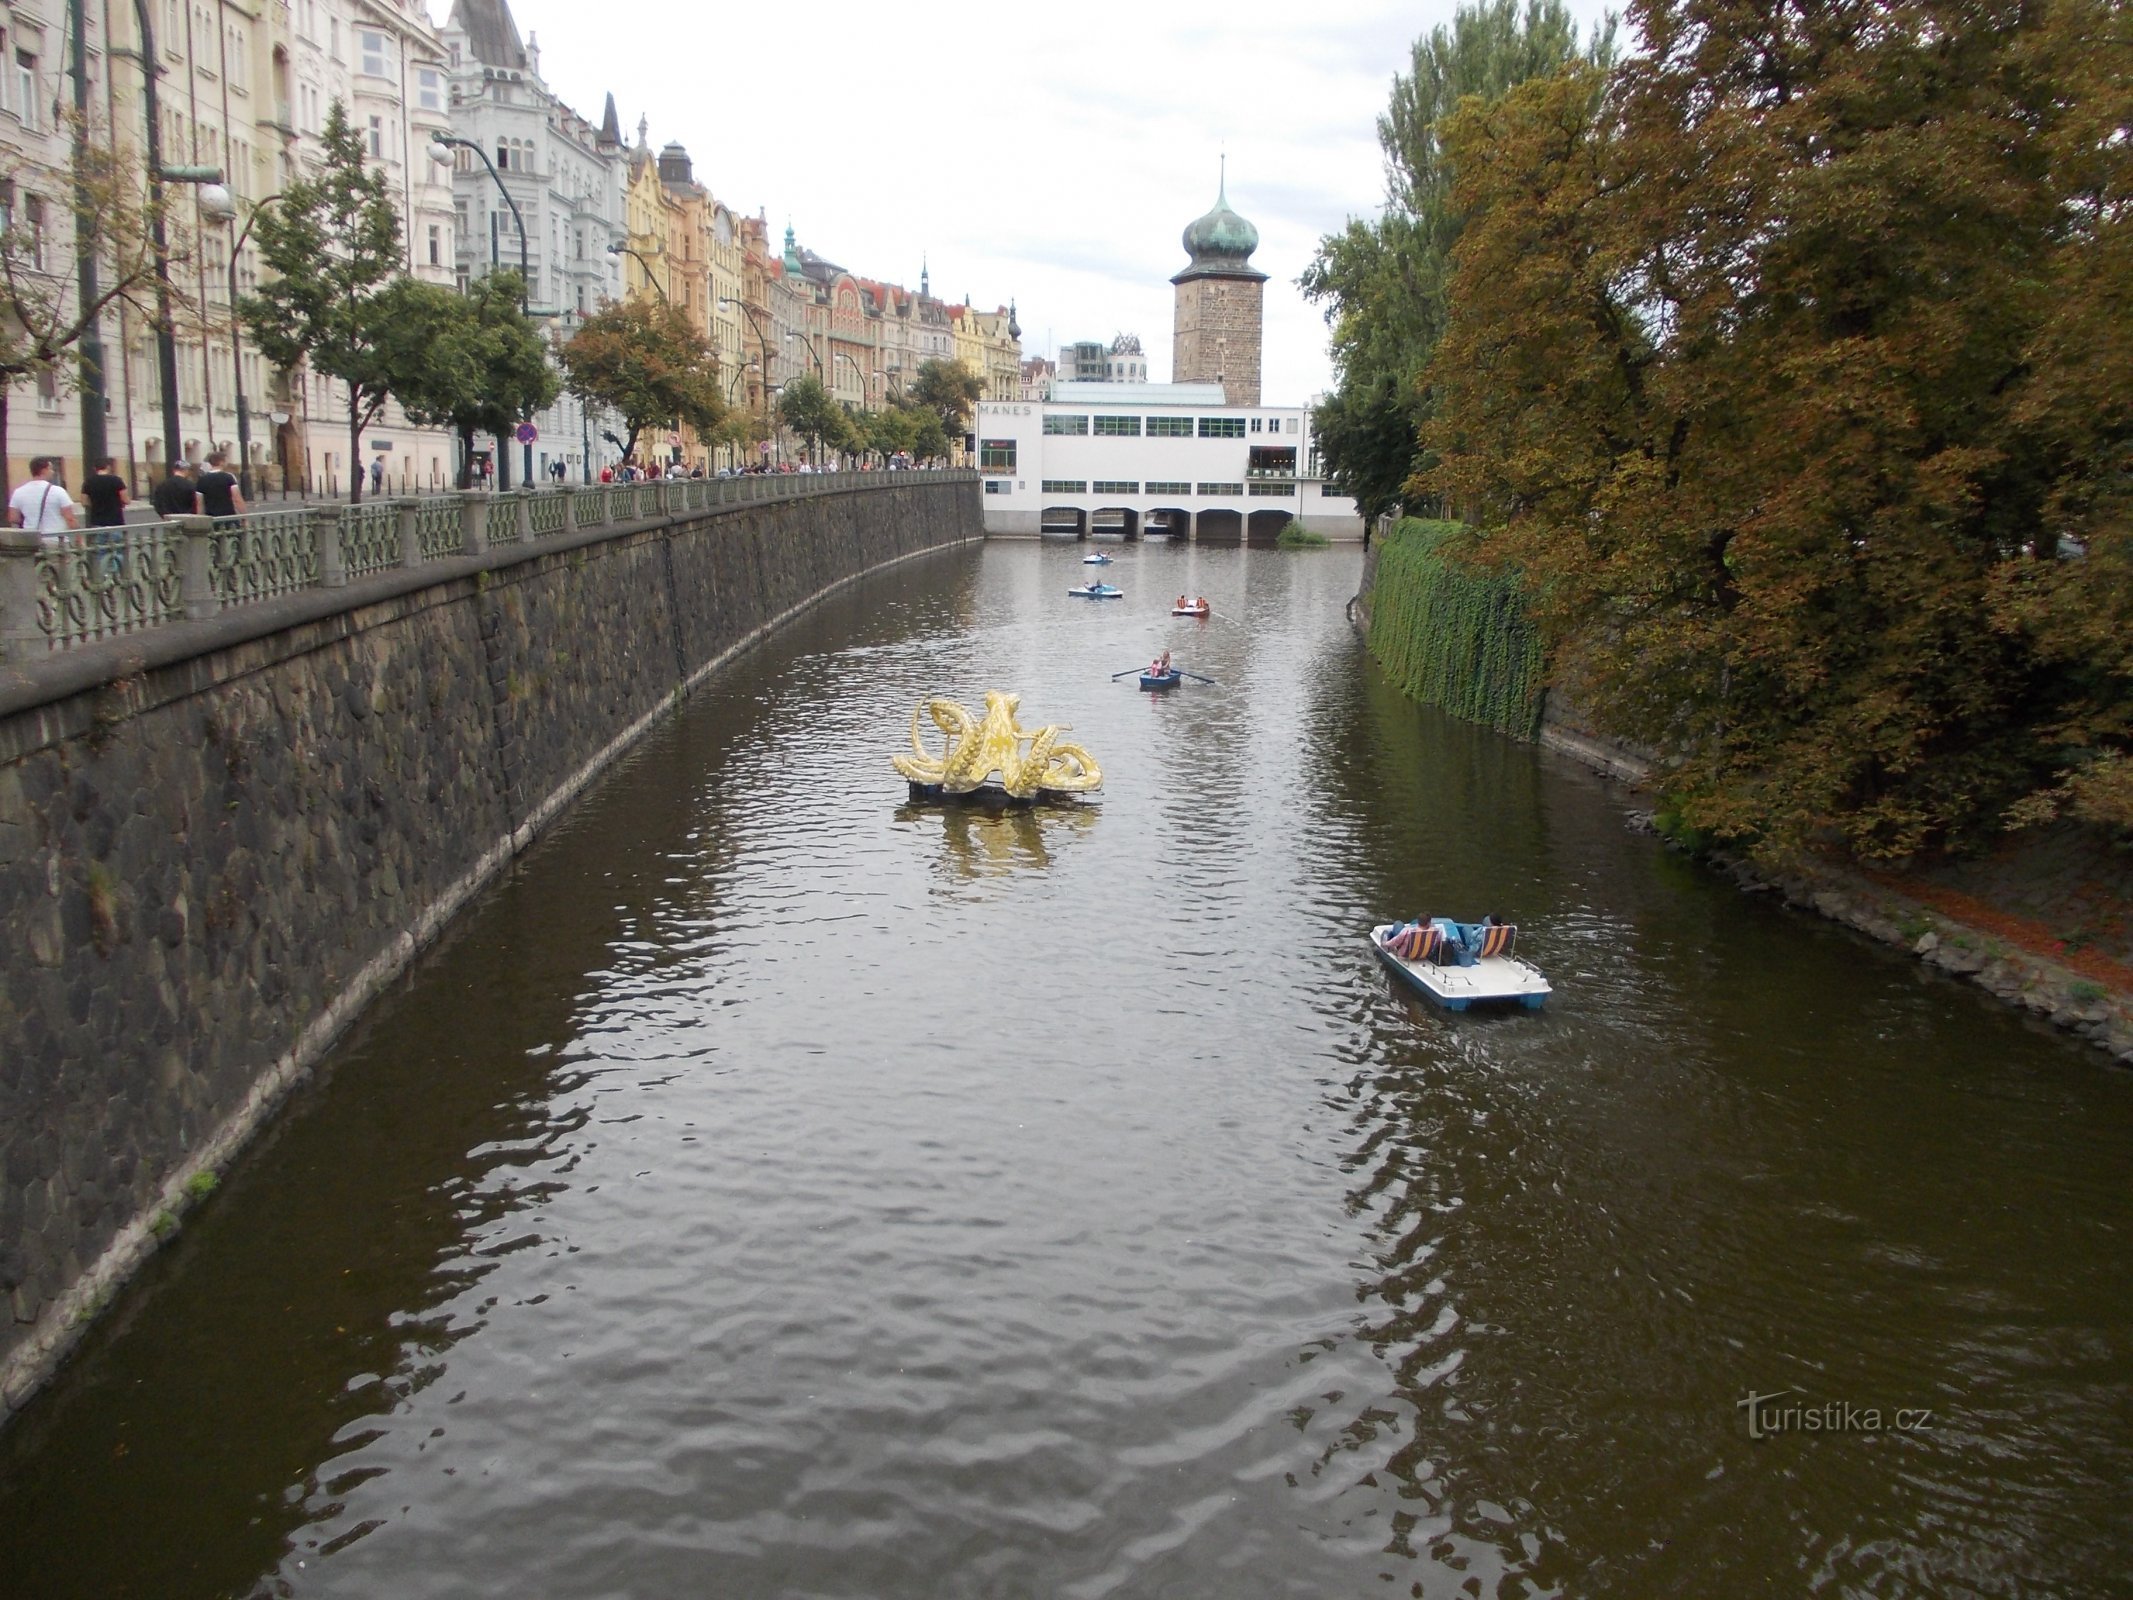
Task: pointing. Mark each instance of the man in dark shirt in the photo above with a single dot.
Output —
(218, 490)
(175, 496)
(105, 491)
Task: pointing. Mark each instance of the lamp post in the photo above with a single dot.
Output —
(159, 238)
(762, 339)
(441, 144)
(244, 420)
(618, 248)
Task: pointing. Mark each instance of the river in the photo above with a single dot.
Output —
(776, 1189)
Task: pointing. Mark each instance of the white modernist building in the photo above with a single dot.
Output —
(1138, 460)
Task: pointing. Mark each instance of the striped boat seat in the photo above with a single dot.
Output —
(1415, 941)
(1496, 941)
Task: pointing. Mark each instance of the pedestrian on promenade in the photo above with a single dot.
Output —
(175, 496)
(217, 493)
(377, 476)
(41, 506)
(104, 492)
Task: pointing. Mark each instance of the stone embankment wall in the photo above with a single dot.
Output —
(219, 839)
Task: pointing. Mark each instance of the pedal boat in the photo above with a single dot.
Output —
(1097, 560)
(1191, 611)
(1427, 956)
(1098, 591)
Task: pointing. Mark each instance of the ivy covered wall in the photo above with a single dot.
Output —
(1453, 637)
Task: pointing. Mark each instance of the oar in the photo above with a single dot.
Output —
(1181, 672)
(1129, 672)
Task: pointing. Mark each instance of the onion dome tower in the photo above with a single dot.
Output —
(1221, 304)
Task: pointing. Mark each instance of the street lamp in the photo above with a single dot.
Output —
(762, 338)
(441, 146)
(618, 248)
(801, 338)
(159, 239)
(861, 371)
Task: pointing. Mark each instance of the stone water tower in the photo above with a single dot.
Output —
(1221, 304)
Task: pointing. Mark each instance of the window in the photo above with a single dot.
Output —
(47, 390)
(999, 486)
(1154, 487)
(33, 221)
(26, 88)
(1271, 487)
(1222, 488)
(1062, 424)
(376, 49)
(1118, 427)
(1065, 486)
(429, 88)
(503, 155)
(7, 204)
(996, 455)
(1170, 427)
(1255, 424)
(1116, 486)
(1292, 425)
(377, 137)
(1221, 428)
(436, 245)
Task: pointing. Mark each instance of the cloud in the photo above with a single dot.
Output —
(1045, 155)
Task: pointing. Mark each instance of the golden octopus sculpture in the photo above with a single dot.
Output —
(978, 747)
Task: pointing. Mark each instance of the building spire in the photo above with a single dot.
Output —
(611, 124)
(925, 277)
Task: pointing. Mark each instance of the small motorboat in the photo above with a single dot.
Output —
(1097, 590)
(1200, 610)
(1162, 680)
(1460, 964)
(1097, 560)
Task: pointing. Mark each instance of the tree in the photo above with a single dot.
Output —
(1382, 282)
(474, 363)
(1764, 371)
(948, 389)
(809, 410)
(42, 322)
(646, 361)
(332, 245)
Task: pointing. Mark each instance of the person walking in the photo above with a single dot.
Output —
(41, 506)
(176, 495)
(218, 495)
(377, 477)
(104, 492)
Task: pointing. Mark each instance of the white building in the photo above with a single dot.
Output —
(1134, 459)
(567, 178)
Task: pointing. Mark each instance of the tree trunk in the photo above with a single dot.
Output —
(355, 447)
(5, 487)
(466, 457)
(503, 461)
(629, 450)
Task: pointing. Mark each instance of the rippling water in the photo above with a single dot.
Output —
(776, 1189)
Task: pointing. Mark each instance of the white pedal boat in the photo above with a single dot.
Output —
(1490, 979)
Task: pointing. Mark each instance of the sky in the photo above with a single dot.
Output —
(1048, 155)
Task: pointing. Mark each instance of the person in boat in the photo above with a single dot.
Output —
(1181, 603)
(1200, 604)
(1156, 668)
(1162, 664)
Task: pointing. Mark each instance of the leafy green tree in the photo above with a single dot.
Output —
(949, 390)
(810, 411)
(1382, 282)
(473, 363)
(332, 245)
(644, 360)
(1763, 372)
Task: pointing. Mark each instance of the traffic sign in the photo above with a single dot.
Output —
(527, 433)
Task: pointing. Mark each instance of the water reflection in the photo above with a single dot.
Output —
(979, 842)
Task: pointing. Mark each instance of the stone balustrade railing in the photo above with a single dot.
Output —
(101, 583)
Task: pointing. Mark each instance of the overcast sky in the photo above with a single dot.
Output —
(1049, 154)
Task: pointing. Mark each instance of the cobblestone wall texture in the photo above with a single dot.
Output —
(208, 865)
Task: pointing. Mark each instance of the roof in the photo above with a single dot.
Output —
(1140, 394)
(492, 32)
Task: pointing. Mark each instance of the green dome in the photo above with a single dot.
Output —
(1220, 243)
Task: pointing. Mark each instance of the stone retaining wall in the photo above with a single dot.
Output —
(221, 838)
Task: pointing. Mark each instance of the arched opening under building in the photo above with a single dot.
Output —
(1062, 522)
(1115, 522)
(1265, 526)
(1221, 527)
(1167, 522)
